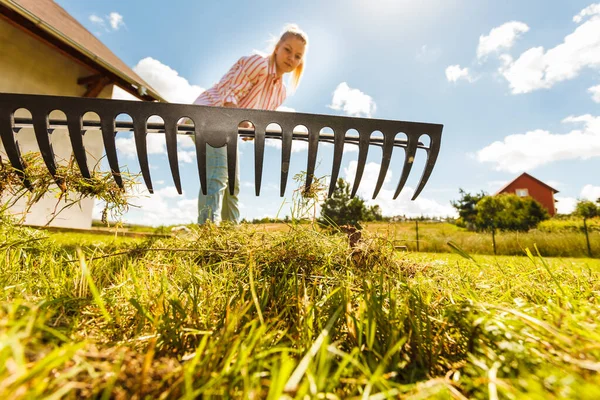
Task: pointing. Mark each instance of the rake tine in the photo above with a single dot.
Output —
(313, 147)
(231, 161)
(432, 154)
(75, 128)
(12, 148)
(286, 150)
(201, 158)
(363, 149)
(388, 147)
(259, 155)
(42, 136)
(107, 124)
(409, 158)
(139, 132)
(338, 150)
(171, 139)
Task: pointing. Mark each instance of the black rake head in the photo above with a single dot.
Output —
(217, 127)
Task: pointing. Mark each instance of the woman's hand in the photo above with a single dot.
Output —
(246, 125)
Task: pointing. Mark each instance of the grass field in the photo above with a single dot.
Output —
(433, 237)
(255, 312)
(553, 239)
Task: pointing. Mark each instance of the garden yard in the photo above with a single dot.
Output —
(256, 313)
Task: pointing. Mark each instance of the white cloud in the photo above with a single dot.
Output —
(595, 91)
(120, 94)
(539, 69)
(167, 81)
(496, 185)
(116, 20)
(590, 10)
(590, 192)
(502, 37)
(126, 146)
(428, 55)
(164, 207)
(97, 20)
(522, 152)
(185, 142)
(565, 205)
(554, 184)
(155, 143)
(187, 156)
(403, 205)
(455, 73)
(352, 102)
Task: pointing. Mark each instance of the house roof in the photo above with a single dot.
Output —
(49, 22)
(526, 174)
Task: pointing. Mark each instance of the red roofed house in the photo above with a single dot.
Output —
(44, 50)
(526, 185)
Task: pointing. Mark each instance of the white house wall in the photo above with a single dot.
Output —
(30, 66)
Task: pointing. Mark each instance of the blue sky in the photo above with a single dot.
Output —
(516, 85)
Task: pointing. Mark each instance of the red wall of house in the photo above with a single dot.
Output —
(539, 192)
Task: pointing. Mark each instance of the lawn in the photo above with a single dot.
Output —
(255, 313)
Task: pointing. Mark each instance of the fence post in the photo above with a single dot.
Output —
(417, 224)
(587, 239)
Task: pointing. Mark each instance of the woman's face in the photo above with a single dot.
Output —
(288, 54)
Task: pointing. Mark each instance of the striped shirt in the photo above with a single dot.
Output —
(251, 83)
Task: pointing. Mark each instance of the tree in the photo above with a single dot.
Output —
(587, 209)
(507, 212)
(373, 213)
(521, 213)
(466, 208)
(487, 216)
(340, 209)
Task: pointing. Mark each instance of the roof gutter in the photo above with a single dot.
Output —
(137, 87)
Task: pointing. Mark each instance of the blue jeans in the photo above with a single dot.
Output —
(218, 205)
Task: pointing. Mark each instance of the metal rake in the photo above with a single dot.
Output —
(215, 126)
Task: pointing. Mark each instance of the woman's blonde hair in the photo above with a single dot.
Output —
(294, 30)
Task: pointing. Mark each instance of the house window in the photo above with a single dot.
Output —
(522, 192)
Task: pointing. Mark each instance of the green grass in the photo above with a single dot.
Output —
(251, 313)
(553, 241)
(71, 240)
